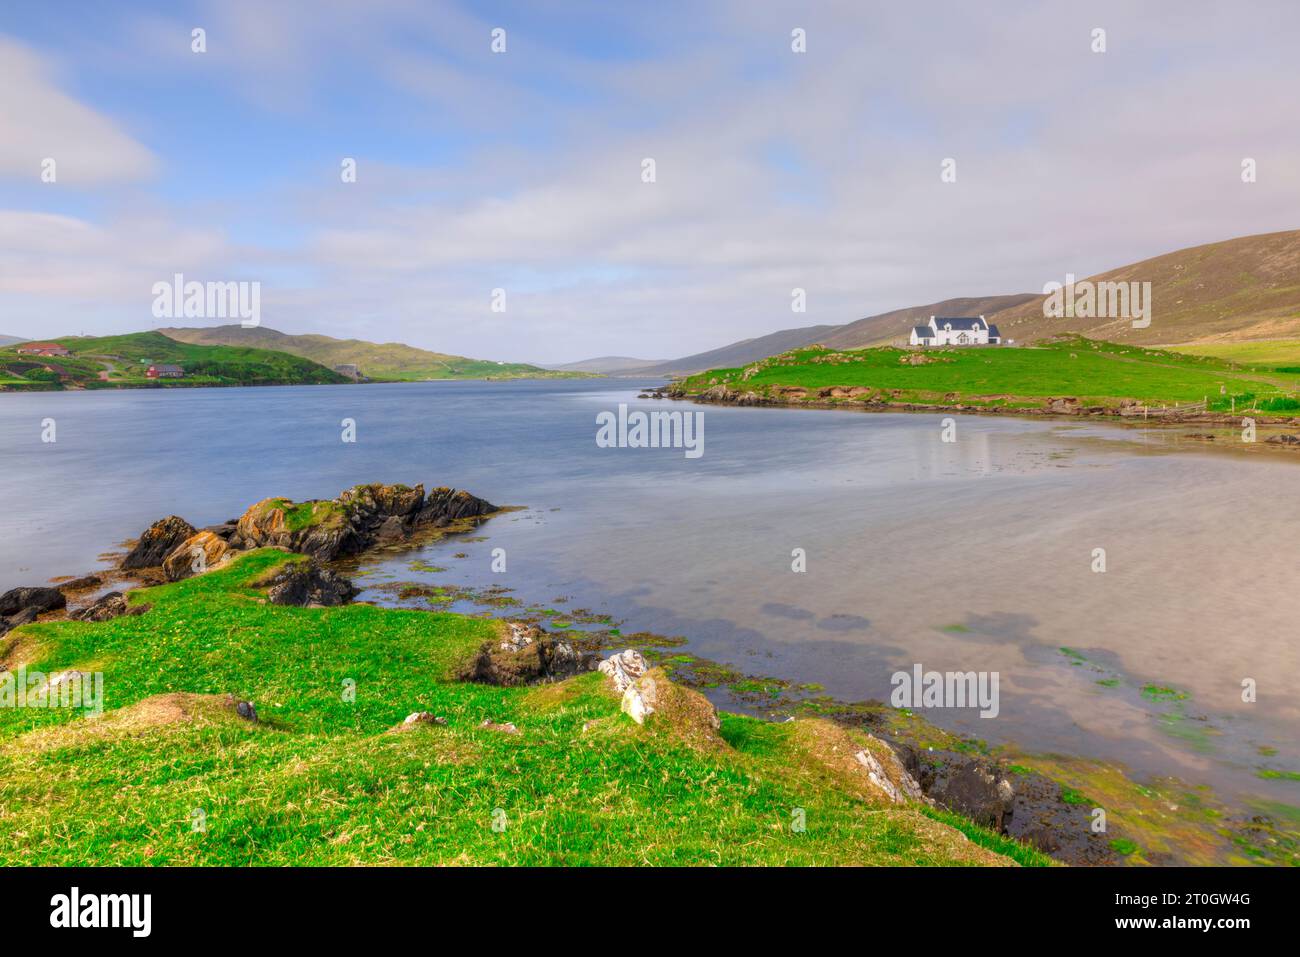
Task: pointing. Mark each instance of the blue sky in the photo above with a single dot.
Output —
(521, 170)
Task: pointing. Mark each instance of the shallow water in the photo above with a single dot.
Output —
(970, 556)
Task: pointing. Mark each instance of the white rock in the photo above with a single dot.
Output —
(624, 667)
(639, 700)
(876, 774)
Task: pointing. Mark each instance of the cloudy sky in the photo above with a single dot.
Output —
(523, 170)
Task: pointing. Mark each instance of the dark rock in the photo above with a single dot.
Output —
(81, 584)
(158, 541)
(21, 618)
(246, 711)
(392, 530)
(224, 532)
(1283, 439)
(445, 505)
(39, 597)
(307, 583)
(107, 607)
(528, 656)
(978, 789)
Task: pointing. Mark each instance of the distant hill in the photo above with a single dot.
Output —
(10, 340)
(605, 365)
(389, 360)
(738, 353)
(1240, 289)
(890, 327)
(125, 359)
(872, 331)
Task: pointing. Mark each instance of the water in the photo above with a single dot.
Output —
(976, 555)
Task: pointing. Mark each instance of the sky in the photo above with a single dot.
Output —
(524, 170)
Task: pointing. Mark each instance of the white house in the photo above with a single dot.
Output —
(950, 331)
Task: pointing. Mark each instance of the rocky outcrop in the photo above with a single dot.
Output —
(526, 655)
(359, 518)
(38, 597)
(199, 553)
(107, 607)
(1288, 440)
(158, 541)
(1068, 405)
(446, 505)
(307, 584)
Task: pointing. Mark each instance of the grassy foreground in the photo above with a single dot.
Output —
(1097, 373)
(324, 780)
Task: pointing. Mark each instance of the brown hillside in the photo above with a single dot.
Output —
(1246, 288)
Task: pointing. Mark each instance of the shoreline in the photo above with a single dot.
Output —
(1043, 800)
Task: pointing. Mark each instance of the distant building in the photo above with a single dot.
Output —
(42, 349)
(348, 369)
(956, 331)
(164, 372)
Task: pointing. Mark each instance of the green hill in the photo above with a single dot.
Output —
(1098, 374)
(126, 357)
(388, 360)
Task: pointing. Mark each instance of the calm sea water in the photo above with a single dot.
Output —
(975, 555)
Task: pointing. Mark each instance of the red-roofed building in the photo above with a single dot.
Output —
(42, 349)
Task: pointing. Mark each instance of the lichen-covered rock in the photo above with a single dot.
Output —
(526, 655)
(107, 607)
(39, 597)
(893, 781)
(308, 584)
(624, 667)
(199, 553)
(359, 518)
(158, 541)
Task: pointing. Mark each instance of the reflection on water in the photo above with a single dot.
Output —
(973, 555)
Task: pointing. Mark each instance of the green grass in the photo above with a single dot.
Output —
(323, 780)
(387, 361)
(131, 354)
(1097, 373)
(1276, 354)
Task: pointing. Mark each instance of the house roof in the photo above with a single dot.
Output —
(167, 368)
(959, 322)
(40, 345)
(923, 332)
(993, 333)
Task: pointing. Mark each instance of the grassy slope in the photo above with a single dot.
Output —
(324, 781)
(130, 355)
(1265, 354)
(1098, 373)
(1245, 288)
(389, 360)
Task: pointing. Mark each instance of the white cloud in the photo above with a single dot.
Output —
(39, 121)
